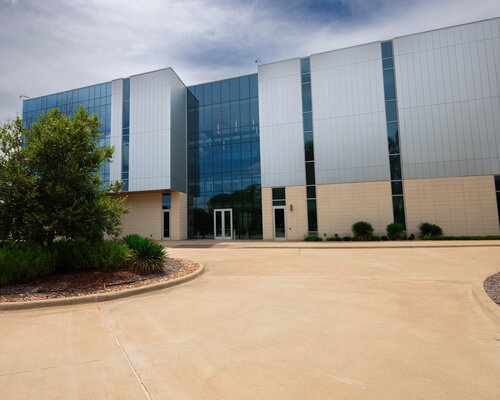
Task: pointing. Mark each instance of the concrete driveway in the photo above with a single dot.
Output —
(273, 321)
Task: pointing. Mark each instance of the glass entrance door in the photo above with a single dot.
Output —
(223, 223)
(279, 217)
(165, 228)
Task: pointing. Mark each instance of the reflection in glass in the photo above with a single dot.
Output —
(391, 111)
(392, 134)
(395, 165)
(312, 217)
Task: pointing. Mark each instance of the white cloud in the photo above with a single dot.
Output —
(54, 45)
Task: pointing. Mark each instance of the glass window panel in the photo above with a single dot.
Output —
(308, 146)
(306, 97)
(235, 114)
(217, 158)
(207, 93)
(208, 160)
(312, 217)
(38, 103)
(246, 156)
(244, 87)
(391, 111)
(84, 94)
(279, 202)
(399, 209)
(256, 155)
(245, 112)
(393, 137)
(397, 187)
(51, 101)
(389, 88)
(165, 200)
(216, 92)
(235, 135)
(387, 50)
(306, 78)
(395, 166)
(108, 89)
(126, 115)
(308, 123)
(236, 157)
(311, 192)
(279, 193)
(216, 117)
(125, 155)
(226, 116)
(254, 111)
(224, 91)
(305, 65)
(234, 87)
(254, 86)
(388, 63)
(497, 182)
(310, 179)
(207, 117)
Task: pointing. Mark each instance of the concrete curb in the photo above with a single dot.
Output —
(100, 297)
(487, 305)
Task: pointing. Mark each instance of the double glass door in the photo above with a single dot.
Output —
(279, 222)
(223, 223)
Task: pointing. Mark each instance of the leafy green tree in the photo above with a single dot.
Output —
(50, 184)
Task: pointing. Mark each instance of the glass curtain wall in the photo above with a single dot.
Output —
(224, 156)
(96, 99)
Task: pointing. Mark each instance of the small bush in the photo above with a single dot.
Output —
(312, 238)
(347, 238)
(429, 230)
(148, 257)
(411, 237)
(22, 262)
(335, 238)
(375, 238)
(384, 238)
(84, 255)
(362, 230)
(395, 231)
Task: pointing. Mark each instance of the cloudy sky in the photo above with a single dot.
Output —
(48, 46)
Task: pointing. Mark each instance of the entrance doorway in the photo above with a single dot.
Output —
(279, 222)
(223, 223)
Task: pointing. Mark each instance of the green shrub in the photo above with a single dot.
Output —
(384, 238)
(313, 238)
(375, 238)
(21, 262)
(429, 230)
(84, 255)
(133, 241)
(395, 231)
(335, 238)
(148, 257)
(488, 237)
(362, 230)
(347, 238)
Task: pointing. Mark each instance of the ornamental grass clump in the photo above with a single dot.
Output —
(395, 231)
(428, 230)
(362, 230)
(148, 257)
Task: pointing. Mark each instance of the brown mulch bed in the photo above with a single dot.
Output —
(83, 283)
(492, 287)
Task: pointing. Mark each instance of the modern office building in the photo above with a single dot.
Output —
(406, 129)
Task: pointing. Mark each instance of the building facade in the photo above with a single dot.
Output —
(404, 130)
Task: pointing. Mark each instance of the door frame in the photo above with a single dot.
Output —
(274, 223)
(163, 222)
(222, 211)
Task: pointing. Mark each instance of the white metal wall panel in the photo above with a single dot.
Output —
(281, 131)
(150, 111)
(178, 155)
(448, 88)
(115, 171)
(350, 137)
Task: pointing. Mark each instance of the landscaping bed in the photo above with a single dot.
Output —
(492, 287)
(87, 282)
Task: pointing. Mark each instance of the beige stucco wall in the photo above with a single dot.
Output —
(296, 220)
(145, 215)
(460, 206)
(178, 216)
(342, 204)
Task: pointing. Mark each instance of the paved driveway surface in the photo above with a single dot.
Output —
(272, 323)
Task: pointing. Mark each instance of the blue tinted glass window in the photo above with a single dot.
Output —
(216, 122)
(235, 114)
(393, 137)
(308, 146)
(312, 217)
(224, 91)
(254, 111)
(216, 92)
(207, 117)
(387, 50)
(236, 157)
(207, 93)
(388, 63)
(244, 87)
(391, 111)
(306, 97)
(397, 187)
(254, 86)
(226, 116)
(398, 209)
(165, 200)
(126, 89)
(389, 88)
(306, 78)
(51, 101)
(305, 65)
(245, 112)
(308, 123)
(310, 179)
(234, 86)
